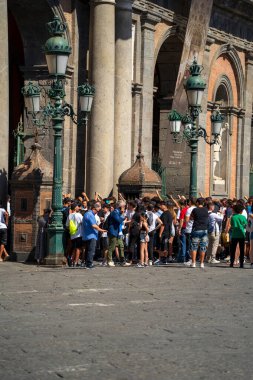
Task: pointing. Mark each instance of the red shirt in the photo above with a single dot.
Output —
(182, 215)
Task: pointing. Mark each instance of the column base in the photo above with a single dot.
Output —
(55, 246)
(55, 260)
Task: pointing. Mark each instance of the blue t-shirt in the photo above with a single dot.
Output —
(88, 232)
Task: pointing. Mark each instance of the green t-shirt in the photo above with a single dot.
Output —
(238, 224)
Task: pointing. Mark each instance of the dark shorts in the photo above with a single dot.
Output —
(104, 241)
(77, 243)
(3, 236)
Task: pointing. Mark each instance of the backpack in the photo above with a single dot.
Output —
(72, 227)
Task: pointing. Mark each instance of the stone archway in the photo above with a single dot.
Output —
(165, 79)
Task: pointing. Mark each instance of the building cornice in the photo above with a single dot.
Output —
(166, 15)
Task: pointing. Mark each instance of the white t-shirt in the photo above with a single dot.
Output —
(2, 220)
(189, 224)
(104, 234)
(77, 218)
(97, 219)
(155, 217)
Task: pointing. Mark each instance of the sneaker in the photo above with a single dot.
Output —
(126, 264)
(157, 262)
(139, 265)
(193, 265)
(90, 267)
(150, 262)
(169, 260)
(227, 258)
(82, 265)
(111, 264)
(188, 263)
(214, 261)
(202, 265)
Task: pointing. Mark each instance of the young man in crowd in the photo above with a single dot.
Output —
(188, 229)
(115, 224)
(165, 231)
(75, 218)
(181, 231)
(214, 231)
(199, 237)
(90, 231)
(238, 226)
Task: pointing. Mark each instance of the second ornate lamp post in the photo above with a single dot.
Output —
(57, 52)
(194, 86)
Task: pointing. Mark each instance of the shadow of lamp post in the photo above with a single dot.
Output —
(194, 87)
(57, 51)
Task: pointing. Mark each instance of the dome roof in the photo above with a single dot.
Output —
(35, 168)
(140, 174)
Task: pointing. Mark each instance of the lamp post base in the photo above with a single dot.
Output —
(55, 246)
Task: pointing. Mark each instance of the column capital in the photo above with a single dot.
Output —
(98, 2)
(124, 5)
(149, 21)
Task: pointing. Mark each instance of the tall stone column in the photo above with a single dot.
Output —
(147, 78)
(123, 89)
(4, 96)
(101, 149)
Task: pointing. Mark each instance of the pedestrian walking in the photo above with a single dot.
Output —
(90, 231)
(199, 237)
(238, 226)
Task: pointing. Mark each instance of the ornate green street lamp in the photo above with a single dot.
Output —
(57, 51)
(194, 87)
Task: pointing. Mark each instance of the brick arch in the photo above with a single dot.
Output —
(162, 32)
(222, 67)
(227, 61)
(223, 80)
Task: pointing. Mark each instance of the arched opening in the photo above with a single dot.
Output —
(221, 151)
(26, 35)
(16, 81)
(165, 78)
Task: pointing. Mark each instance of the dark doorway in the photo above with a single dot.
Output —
(16, 82)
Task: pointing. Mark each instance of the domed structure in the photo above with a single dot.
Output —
(35, 168)
(31, 193)
(139, 180)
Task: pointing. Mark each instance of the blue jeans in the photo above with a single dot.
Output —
(90, 251)
(199, 239)
(182, 247)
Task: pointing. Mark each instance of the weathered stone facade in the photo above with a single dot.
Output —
(137, 54)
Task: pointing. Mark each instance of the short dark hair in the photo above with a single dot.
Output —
(132, 203)
(150, 207)
(193, 200)
(201, 201)
(238, 208)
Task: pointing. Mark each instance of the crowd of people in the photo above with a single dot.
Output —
(152, 231)
(149, 231)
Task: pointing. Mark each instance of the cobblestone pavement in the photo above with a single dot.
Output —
(125, 323)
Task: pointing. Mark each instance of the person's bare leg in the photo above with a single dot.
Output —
(146, 253)
(201, 257)
(251, 251)
(77, 255)
(1, 251)
(193, 256)
(142, 247)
